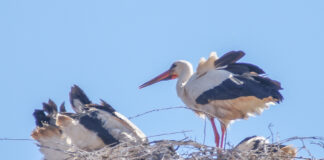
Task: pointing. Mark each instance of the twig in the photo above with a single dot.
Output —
(155, 110)
(305, 148)
(16, 139)
(164, 134)
(204, 131)
(270, 129)
(302, 138)
(168, 108)
(321, 144)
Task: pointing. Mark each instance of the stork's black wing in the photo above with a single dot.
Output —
(242, 86)
(229, 58)
(241, 68)
(78, 99)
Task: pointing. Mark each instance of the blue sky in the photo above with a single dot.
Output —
(109, 48)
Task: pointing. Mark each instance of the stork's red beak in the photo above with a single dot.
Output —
(167, 75)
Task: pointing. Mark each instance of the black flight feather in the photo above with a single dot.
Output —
(241, 68)
(229, 58)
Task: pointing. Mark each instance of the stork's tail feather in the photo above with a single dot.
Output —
(50, 108)
(40, 117)
(272, 85)
(78, 99)
(106, 106)
(62, 107)
(39, 114)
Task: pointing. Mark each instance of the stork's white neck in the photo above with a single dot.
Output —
(184, 72)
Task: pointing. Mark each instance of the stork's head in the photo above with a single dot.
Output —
(177, 69)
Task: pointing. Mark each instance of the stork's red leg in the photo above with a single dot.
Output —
(215, 132)
(223, 127)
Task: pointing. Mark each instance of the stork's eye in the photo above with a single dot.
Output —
(173, 66)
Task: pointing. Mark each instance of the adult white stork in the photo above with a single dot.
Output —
(222, 88)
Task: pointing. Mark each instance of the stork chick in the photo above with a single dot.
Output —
(257, 147)
(50, 137)
(96, 125)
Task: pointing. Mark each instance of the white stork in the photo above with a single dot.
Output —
(50, 137)
(96, 125)
(222, 88)
(92, 127)
(257, 145)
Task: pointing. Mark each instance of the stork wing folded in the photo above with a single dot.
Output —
(102, 118)
(241, 86)
(241, 68)
(92, 122)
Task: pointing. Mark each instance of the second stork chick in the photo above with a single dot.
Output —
(96, 125)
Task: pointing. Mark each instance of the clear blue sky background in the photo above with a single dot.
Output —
(109, 48)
